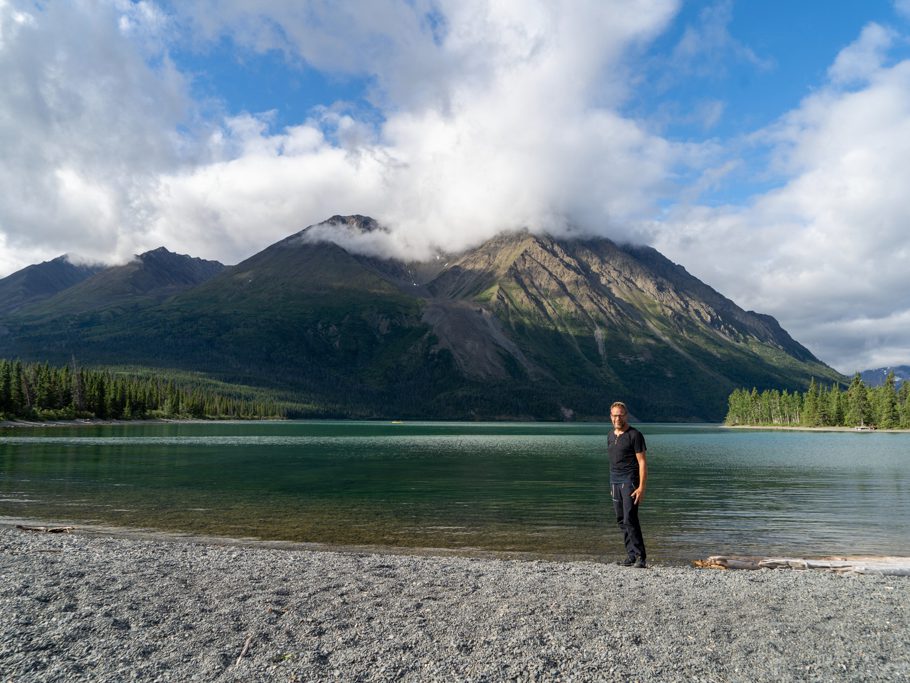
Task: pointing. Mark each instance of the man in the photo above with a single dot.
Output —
(628, 473)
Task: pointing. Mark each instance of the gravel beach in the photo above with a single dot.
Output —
(113, 608)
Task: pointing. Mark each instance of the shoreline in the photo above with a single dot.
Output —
(884, 565)
(91, 422)
(85, 422)
(166, 537)
(111, 608)
(783, 428)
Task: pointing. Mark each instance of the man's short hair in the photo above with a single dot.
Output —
(619, 404)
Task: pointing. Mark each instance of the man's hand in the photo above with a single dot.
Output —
(638, 495)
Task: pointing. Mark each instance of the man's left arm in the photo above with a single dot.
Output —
(638, 494)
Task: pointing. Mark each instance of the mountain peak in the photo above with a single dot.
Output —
(190, 269)
(876, 377)
(41, 281)
(354, 234)
(355, 222)
(160, 251)
(164, 252)
(338, 227)
(176, 269)
(151, 276)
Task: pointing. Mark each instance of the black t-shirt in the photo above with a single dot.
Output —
(622, 450)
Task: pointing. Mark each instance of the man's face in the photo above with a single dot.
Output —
(618, 418)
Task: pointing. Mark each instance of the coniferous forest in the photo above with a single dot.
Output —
(38, 391)
(882, 407)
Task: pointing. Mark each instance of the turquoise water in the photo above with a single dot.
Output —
(531, 488)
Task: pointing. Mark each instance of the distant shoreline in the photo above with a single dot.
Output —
(13, 424)
(86, 422)
(852, 430)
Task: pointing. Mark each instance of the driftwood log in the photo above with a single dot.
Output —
(246, 646)
(46, 529)
(892, 566)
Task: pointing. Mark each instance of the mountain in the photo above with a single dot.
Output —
(876, 377)
(602, 320)
(152, 276)
(523, 326)
(38, 282)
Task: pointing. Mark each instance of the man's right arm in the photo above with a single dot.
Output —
(639, 494)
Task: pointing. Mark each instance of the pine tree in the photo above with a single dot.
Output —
(754, 407)
(835, 406)
(735, 412)
(903, 401)
(810, 405)
(65, 388)
(17, 394)
(886, 413)
(823, 403)
(99, 398)
(6, 383)
(857, 410)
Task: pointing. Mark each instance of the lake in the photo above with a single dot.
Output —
(540, 489)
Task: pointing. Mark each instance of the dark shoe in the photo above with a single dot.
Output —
(640, 563)
(628, 562)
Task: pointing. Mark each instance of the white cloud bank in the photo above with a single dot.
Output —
(497, 115)
(86, 126)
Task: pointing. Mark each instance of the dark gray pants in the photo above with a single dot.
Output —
(627, 517)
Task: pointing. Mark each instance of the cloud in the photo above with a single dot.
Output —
(707, 45)
(493, 116)
(867, 341)
(863, 58)
(377, 242)
(86, 126)
(497, 116)
(264, 188)
(826, 251)
(392, 42)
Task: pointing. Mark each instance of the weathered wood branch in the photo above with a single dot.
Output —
(892, 566)
(46, 529)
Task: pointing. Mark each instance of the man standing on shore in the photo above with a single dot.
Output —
(628, 473)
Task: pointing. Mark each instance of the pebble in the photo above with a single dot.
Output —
(114, 608)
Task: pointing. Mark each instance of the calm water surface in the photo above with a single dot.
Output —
(535, 488)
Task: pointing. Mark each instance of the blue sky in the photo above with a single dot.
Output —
(771, 55)
(243, 80)
(762, 145)
(765, 57)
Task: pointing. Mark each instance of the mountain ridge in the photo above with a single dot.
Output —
(41, 281)
(876, 377)
(521, 326)
(153, 275)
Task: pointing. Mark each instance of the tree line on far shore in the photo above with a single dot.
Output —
(39, 391)
(883, 407)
